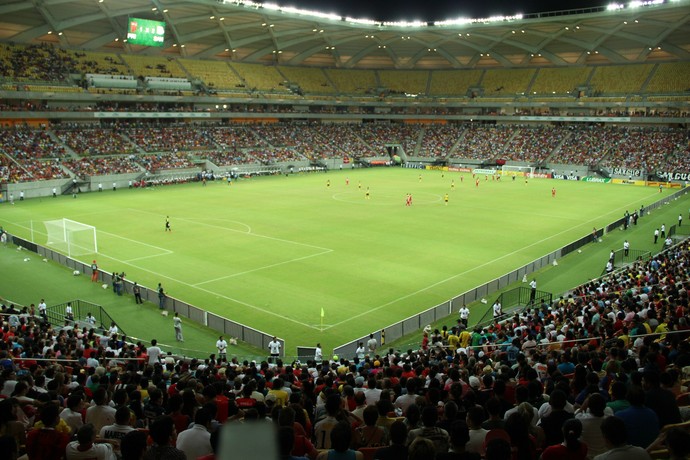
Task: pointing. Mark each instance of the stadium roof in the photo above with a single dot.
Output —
(266, 33)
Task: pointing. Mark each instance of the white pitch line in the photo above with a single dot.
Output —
(146, 257)
(450, 278)
(262, 268)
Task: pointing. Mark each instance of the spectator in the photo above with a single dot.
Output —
(162, 431)
(615, 435)
(641, 423)
(196, 440)
(571, 448)
(397, 449)
(47, 443)
(85, 447)
(340, 438)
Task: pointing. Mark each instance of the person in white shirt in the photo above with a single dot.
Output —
(498, 309)
(42, 307)
(90, 319)
(464, 314)
(359, 352)
(71, 414)
(154, 352)
(69, 313)
(101, 414)
(112, 329)
(318, 353)
(120, 428)
(274, 347)
(195, 441)
(177, 325)
(85, 446)
(372, 344)
(222, 347)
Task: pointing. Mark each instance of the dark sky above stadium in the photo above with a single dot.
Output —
(430, 10)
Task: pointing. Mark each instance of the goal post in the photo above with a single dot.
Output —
(522, 171)
(71, 237)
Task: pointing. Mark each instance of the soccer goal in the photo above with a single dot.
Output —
(71, 237)
(522, 171)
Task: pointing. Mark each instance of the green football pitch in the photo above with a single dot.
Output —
(272, 252)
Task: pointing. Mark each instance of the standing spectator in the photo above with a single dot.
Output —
(43, 309)
(464, 313)
(161, 296)
(497, 309)
(196, 440)
(274, 347)
(69, 313)
(94, 272)
(177, 325)
(86, 448)
(680, 220)
(663, 230)
(162, 432)
(136, 289)
(154, 352)
(222, 347)
(533, 292)
(318, 354)
(372, 344)
(626, 248)
(656, 235)
(615, 435)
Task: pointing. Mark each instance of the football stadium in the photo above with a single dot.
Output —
(473, 229)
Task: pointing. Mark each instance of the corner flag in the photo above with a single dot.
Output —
(322, 312)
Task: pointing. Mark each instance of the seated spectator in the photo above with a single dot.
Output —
(120, 428)
(615, 435)
(370, 434)
(86, 448)
(571, 448)
(9, 425)
(459, 438)
(553, 423)
(641, 423)
(196, 440)
(340, 440)
(430, 431)
(133, 445)
(47, 443)
(397, 449)
(591, 415)
(162, 431)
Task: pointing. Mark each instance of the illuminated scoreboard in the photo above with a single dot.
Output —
(145, 32)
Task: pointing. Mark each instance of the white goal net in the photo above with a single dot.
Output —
(71, 237)
(520, 171)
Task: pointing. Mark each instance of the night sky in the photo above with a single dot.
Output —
(430, 10)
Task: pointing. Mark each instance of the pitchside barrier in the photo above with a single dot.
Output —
(418, 321)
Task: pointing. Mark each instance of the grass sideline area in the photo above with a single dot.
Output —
(271, 252)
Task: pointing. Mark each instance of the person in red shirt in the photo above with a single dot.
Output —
(47, 443)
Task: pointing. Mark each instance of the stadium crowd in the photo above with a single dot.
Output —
(29, 149)
(602, 370)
